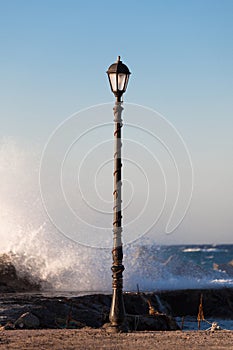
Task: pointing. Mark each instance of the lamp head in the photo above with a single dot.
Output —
(118, 75)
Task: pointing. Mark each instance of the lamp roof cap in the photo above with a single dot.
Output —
(118, 67)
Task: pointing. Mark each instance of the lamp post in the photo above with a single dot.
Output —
(118, 74)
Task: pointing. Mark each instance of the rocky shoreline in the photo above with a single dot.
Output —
(21, 311)
(24, 305)
(150, 311)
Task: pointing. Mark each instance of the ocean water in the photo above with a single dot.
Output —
(180, 266)
(191, 324)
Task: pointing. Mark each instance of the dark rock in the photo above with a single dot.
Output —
(93, 310)
(140, 304)
(216, 302)
(11, 281)
(152, 323)
(27, 320)
(46, 317)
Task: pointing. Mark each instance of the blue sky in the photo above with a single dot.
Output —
(53, 59)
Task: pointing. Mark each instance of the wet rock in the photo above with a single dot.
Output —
(11, 281)
(216, 302)
(142, 304)
(27, 320)
(46, 316)
(93, 310)
(159, 322)
(7, 274)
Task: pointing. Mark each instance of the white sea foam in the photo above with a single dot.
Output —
(191, 250)
(199, 249)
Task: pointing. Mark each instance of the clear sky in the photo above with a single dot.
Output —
(53, 59)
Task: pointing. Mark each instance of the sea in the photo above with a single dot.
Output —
(183, 266)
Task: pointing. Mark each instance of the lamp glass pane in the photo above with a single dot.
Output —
(126, 82)
(112, 77)
(121, 81)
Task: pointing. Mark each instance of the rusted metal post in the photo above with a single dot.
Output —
(117, 311)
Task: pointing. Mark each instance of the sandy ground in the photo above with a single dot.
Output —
(99, 339)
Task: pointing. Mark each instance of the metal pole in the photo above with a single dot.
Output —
(117, 311)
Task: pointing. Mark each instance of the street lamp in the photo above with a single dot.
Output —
(118, 74)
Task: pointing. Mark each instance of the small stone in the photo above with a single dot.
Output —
(27, 320)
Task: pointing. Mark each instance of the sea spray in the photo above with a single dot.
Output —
(26, 231)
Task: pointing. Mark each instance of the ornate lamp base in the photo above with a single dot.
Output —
(116, 329)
